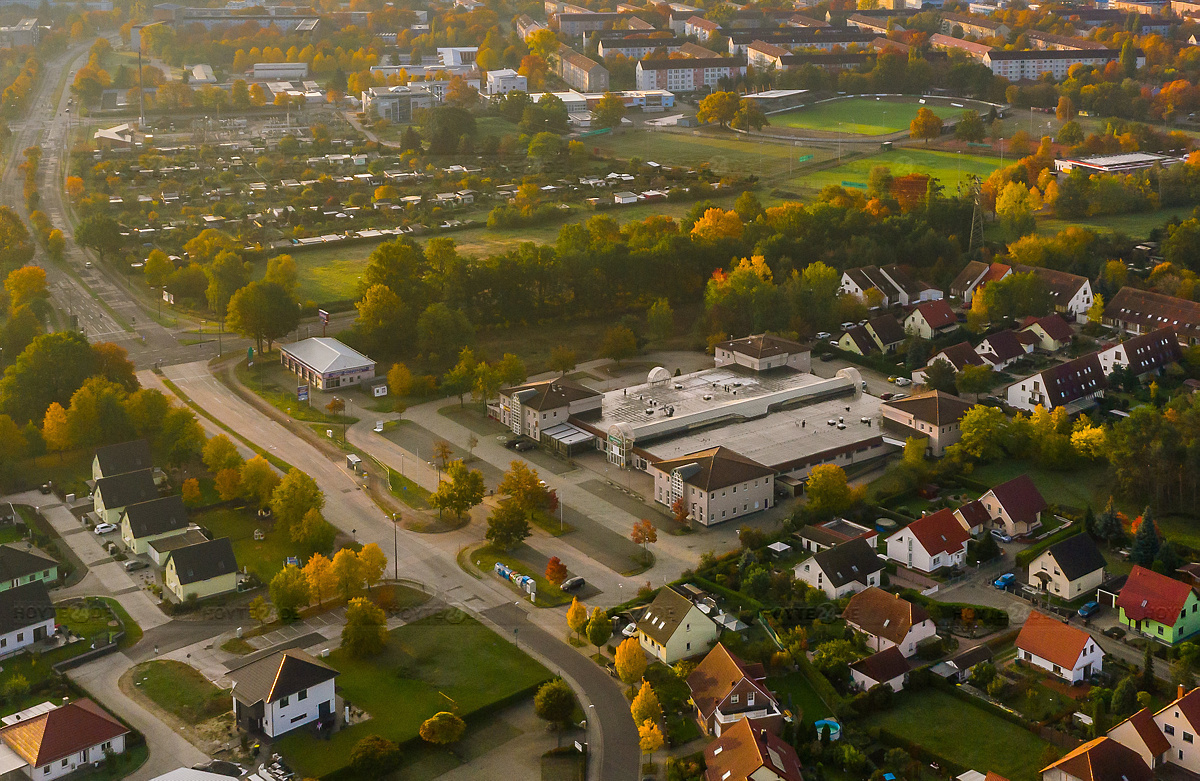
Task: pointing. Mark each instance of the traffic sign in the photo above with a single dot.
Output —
(804, 158)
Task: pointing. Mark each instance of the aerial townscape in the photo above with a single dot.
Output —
(502, 390)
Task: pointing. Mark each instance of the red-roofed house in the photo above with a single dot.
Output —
(1016, 506)
(888, 621)
(1159, 607)
(1005, 347)
(1070, 653)
(930, 543)
(726, 690)
(931, 319)
(63, 739)
(1140, 733)
(1179, 723)
(973, 516)
(887, 667)
(743, 753)
(1052, 331)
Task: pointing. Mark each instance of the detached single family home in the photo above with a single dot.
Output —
(888, 668)
(845, 569)
(1052, 332)
(1066, 651)
(27, 616)
(19, 567)
(114, 494)
(1069, 568)
(930, 319)
(1159, 607)
(145, 522)
(118, 459)
(61, 740)
(930, 543)
(282, 692)
(743, 753)
(205, 569)
(1102, 759)
(1015, 506)
(673, 628)
(888, 621)
(726, 690)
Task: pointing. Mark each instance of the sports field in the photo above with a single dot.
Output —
(724, 154)
(861, 116)
(948, 167)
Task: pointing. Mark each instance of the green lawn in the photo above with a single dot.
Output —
(1075, 488)
(1137, 225)
(444, 662)
(950, 168)
(723, 152)
(263, 558)
(181, 690)
(1039, 703)
(547, 595)
(862, 116)
(797, 694)
(328, 274)
(964, 734)
(84, 621)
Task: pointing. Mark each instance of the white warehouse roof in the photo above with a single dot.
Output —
(324, 355)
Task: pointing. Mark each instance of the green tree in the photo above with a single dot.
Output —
(374, 757)
(545, 147)
(555, 702)
(599, 628)
(749, 116)
(158, 268)
(180, 438)
(828, 492)
(220, 453)
(461, 492)
(1124, 698)
(101, 233)
(1070, 134)
(618, 344)
(1146, 677)
(719, 107)
(507, 526)
(49, 370)
(660, 320)
(295, 495)
(975, 379)
(562, 359)
(259, 481)
(289, 592)
(227, 273)
(609, 111)
(442, 331)
(365, 632)
(970, 127)
(263, 311)
(442, 729)
(940, 375)
(1146, 541)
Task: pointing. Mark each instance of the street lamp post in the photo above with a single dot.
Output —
(396, 546)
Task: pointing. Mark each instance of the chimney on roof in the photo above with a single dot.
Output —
(1180, 693)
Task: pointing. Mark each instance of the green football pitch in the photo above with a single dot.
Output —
(861, 116)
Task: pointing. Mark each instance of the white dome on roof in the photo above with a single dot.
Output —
(658, 374)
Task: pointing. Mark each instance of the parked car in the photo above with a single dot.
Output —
(630, 630)
(572, 584)
(1089, 609)
(511, 443)
(887, 396)
(105, 528)
(824, 335)
(1000, 536)
(1005, 580)
(903, 382)
(135, 565)
(826, 357)
(523, 445)
(1115, 632)
(892, 378)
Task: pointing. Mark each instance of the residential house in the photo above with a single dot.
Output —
(974, 26)
(26, 617)
(1069, 568)
(205, 569)
(887, 333)
(685, 74)
(973, 516)
(888, 621)
(1137, 311)
(1178, 723)
(893, 284)
(159, 550)
(726, 690)
(935, 415)
(113, 494)
(119, 459)
(1004, 348)
(282, 692)
(531, 407)
(1071, 294)
(857, 340)
(1158, 606)
(884, 668)
(819, 537)
(1032, 64)
(972, 279)
(580, 71)
(930, 543)
(1015, 506)
(743, 753)
(145, 522)
(1052, 332)
(708, 484)
(958, 667)
(22, 565)
(1102, 759)
(1144, 354)
(1075, 385)
(1142, 733)
(846, 569)
(930, 319)
(959, 356)
(1066, 651)
(761, 352)
(61, 740)
(673, 628)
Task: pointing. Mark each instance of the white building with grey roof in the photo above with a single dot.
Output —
(326, 363)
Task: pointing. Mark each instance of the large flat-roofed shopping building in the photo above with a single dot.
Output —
(326, 363)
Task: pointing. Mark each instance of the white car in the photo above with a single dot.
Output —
(824, 335)
(105, 528)
(630, 630)
(903, 382)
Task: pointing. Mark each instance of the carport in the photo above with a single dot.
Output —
(567, 439)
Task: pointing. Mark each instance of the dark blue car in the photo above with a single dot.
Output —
(1091, 608)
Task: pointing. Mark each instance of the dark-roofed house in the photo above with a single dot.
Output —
(815, 538)
(887, 333)
(26, 617)
(160, 549)
(1143, 354)
(145, 522)
(958, 667)
(714, 485)
(283, 691)
(1066, 651)
(893, 283)
(1140, 733)
(1015, 505)
(204, 569)
(1071, 294)
(1145, 311)
(64, 739)
(1178, 723)
(726, 690)
(846, 569)
(534, 406)
(118, 459)
(1005, 347)
(19, 566)
(1069, 568)
(888, 621)
(973, 516)
(745, 754)
(857, 340)
(930, 319)
(963, 286)
(1075, 385)
(673, 628)
(1052, 332)
(959, 356)
(761, 352)
(888, 668)
(1102, 759)
(930, 543)
(114, 494)
(934, 415)
(1158, 606)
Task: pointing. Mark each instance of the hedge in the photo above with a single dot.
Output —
(821, 685)
(1033, 551)
(735, 596)
(992, 616)
(982, 704)
(889, 738)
